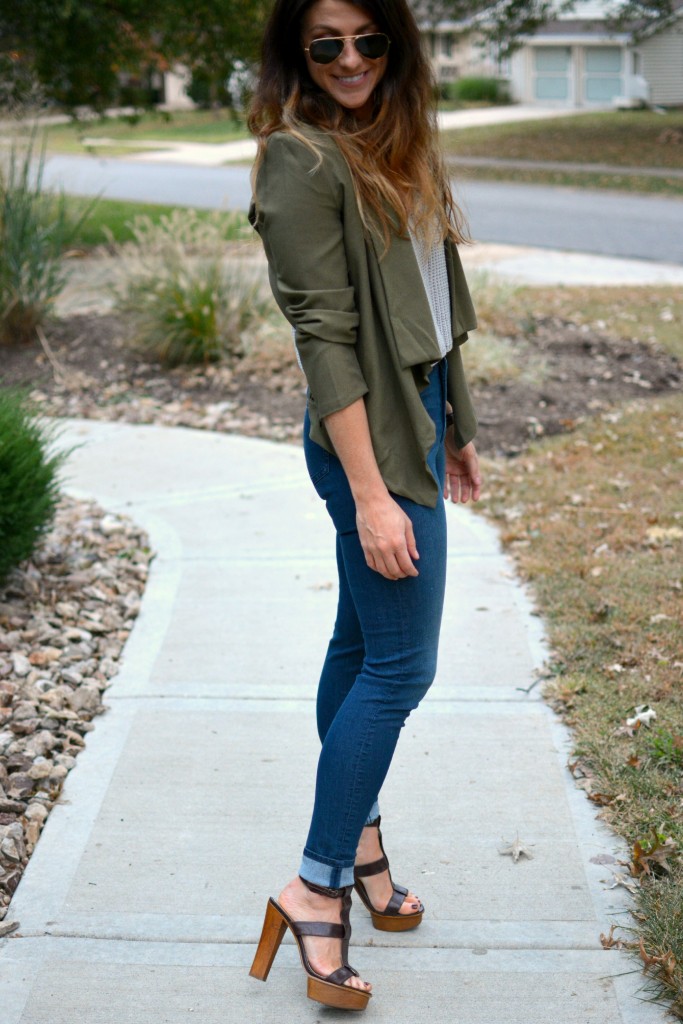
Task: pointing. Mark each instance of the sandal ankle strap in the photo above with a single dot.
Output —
(324, 890)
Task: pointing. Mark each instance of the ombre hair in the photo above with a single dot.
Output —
(394, 158)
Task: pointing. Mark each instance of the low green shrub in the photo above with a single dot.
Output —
(475, 89)
(29, 488)
(184, 301)
(36, 228)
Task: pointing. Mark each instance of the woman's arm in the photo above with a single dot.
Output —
(385, 531)
(298, 213)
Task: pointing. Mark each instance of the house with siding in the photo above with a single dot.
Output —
(574, 60)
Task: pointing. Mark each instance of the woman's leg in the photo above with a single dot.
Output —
(345, 654)
(400, 621)
(343, 662)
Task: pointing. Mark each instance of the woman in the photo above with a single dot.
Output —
(360, 231)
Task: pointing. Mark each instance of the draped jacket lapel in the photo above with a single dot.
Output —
(408, 306)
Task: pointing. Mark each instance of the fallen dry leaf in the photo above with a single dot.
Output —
(666, 962)
(600, 798)
(516, 850)
(644, 715)
(657, 854)
(626, 730)
(603, 858)
(609, 942)
(625, 881)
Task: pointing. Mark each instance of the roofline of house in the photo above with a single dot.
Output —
(623, 39)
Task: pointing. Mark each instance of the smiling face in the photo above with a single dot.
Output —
(352, 78)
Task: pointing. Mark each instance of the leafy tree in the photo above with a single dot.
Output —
(76, 48)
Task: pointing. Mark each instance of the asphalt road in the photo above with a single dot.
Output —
(608, 223)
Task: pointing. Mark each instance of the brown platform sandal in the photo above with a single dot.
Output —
(389, 919)
(329, 990)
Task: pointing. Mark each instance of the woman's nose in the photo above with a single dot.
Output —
(350, 58)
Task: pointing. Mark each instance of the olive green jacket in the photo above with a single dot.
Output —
(362, 319)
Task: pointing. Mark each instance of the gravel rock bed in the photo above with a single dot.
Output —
(64, 619)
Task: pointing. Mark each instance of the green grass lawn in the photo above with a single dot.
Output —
(117, 215)
(594, 522)
(634, 138)
(181, 126)
(670, 187)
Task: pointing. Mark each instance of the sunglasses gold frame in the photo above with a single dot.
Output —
(344, 40)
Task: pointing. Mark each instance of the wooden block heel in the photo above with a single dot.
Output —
(272, 934)
(330, 990)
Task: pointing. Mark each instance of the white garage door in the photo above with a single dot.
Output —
(602, 79)
(552, 66)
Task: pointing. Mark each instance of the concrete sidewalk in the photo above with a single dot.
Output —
(189, 806)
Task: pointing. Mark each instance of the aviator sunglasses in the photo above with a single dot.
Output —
(325, 51)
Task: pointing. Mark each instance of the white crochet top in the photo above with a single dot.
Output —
(432, 264)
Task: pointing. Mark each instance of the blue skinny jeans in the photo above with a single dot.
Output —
(380, 661)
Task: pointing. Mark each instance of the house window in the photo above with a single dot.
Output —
(447, 44)
(551, 72)
(602, 79)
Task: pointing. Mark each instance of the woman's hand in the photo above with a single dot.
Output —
(385, 531)
(463, 479)
(387, 538)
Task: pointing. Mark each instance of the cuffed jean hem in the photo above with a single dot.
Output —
(374, 813)
(329, 875)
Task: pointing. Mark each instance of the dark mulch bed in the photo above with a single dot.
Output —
(583, 374)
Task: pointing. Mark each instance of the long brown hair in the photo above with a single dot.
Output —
(394, 159)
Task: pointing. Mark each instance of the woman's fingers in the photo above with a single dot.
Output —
(388, 540)
(410, 539)
(393, 565)
(462, 470)
(393, 560)
(402, 564)
(462, 488)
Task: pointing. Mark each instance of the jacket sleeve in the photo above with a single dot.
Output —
(297, 211)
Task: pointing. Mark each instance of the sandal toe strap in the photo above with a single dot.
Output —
(324, 929)
(376, 867)
(396, 901)
(341, 975)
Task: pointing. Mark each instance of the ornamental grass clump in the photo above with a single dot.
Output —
(36, 229)
(185, 302)
(29, 486)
